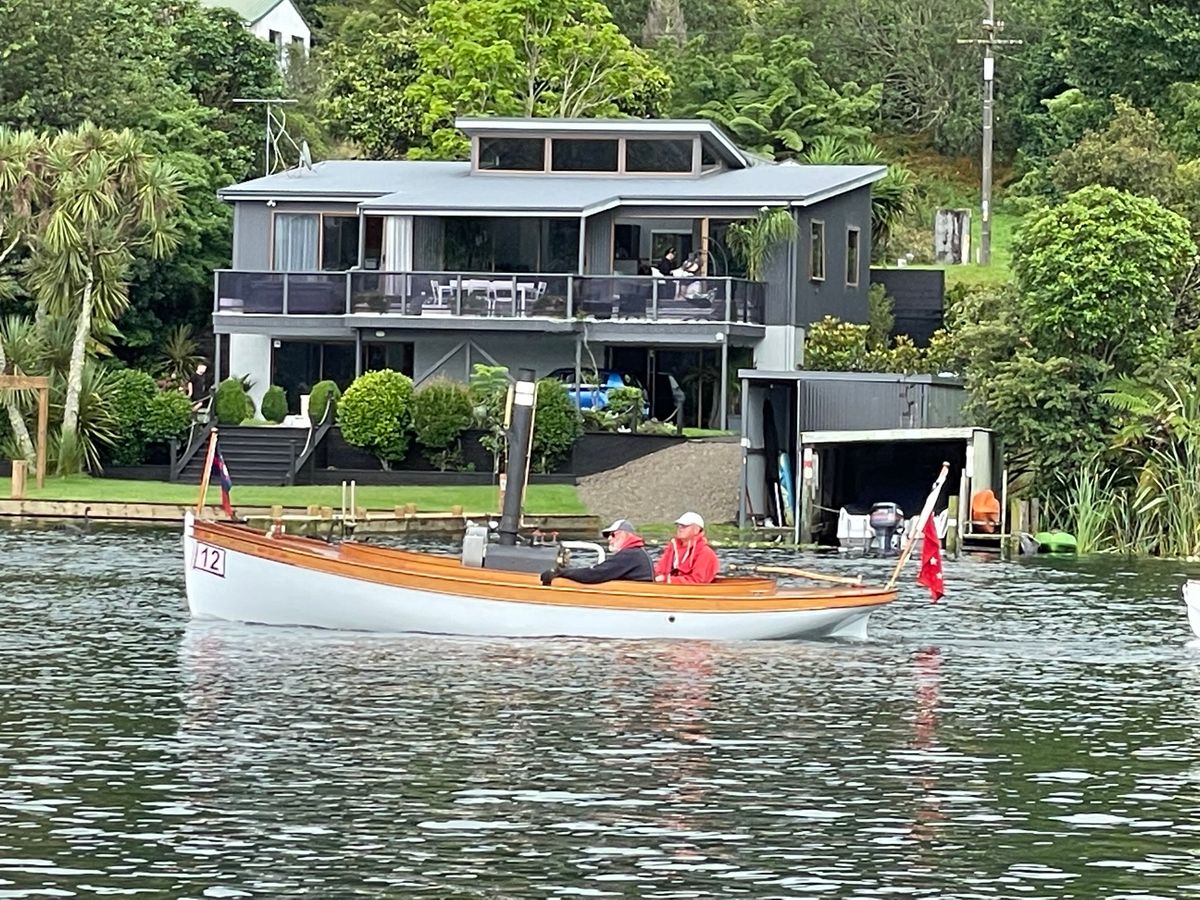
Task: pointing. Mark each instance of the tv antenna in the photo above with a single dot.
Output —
(276, 132)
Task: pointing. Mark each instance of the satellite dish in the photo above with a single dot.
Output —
(305, 156)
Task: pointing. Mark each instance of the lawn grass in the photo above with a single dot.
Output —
(706, 432)
(540, 499)
(999, 271)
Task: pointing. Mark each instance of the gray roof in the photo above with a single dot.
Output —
(709, 132)
(421, 187)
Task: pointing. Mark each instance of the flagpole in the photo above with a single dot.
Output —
(207, 472)
(911, 537)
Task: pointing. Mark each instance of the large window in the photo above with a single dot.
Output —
(816, 261)
(583, 155)
(297, 242)
(658, 155)
(339, 243)
(512, 154)
(852, 238)
(308, 242)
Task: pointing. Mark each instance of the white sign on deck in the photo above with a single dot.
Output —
(209, 559)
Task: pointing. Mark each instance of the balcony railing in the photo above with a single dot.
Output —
(490, 294)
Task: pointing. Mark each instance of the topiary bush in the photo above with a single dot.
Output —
(375, 413)
(624, 407)
(441, 412)
(274, 404)
(556, 425)
(323, 393)
(168, 416)
(233, 405)
(131, 392)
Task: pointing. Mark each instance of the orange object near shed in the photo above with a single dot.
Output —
(985, 511)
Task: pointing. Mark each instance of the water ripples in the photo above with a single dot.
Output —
(1033, 735)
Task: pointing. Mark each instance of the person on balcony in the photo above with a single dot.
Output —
(667, 264)
(627, 560)
(688, 558)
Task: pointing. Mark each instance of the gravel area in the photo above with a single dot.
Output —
(699, 475)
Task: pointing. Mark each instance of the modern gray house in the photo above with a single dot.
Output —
(529, 254)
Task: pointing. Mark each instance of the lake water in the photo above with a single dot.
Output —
(1036, 734)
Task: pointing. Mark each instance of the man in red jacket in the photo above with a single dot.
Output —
(688, 559)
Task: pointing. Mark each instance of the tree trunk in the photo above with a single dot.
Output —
(83, 329)
(20, 432)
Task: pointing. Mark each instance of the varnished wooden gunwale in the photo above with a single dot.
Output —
(317, 556)
(739, 587)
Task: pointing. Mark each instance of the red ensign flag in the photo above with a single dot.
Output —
(931, 561)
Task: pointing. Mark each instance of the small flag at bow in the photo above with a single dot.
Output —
(931, 561)
(222, 472)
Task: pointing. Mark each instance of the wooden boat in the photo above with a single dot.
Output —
(1191, 599)
(236, 573)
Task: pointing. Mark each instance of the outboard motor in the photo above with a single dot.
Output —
(887, 523)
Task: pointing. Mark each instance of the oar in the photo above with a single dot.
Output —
(797, 573)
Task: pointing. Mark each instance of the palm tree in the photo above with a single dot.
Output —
(103, 198)
(755, 240)
(21, 351)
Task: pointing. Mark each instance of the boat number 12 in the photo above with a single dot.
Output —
(209, 559)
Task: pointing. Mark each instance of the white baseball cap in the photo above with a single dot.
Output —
(690, 518)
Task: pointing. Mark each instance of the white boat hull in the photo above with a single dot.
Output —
(1191, 599)
(252, 589)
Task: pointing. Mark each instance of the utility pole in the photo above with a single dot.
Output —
(991, 28)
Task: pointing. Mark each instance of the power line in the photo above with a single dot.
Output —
(989, 41)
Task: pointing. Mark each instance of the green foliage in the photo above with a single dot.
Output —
(624, 407)
(770, 96)
(130, 394)
(441, 411)
(87, 445)
(561, 58)
(323, 394)
(1096, 276)
(232, 402)
(881, 317)
(1047, 412)
(1159, 433)
(274, 404)
(375, 413)
(755, 240)
(179, 356)
(168, 417)
(1126, 47)
(832, 345)
(365, 95)
(1130, 154)
(556, 426)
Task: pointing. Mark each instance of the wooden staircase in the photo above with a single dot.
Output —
(261, 455)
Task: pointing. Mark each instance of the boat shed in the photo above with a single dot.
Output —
(814, 443)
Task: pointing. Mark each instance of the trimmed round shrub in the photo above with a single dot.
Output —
(130, 394)
(274, 404)
(233, 404)
(441, 412)
(624, 406)
(168, 415)
(323, 393)
(556, 425)
(375, 412)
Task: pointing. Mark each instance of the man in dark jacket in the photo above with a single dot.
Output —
(627, 559)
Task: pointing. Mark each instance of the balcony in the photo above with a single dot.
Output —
(490, 295)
